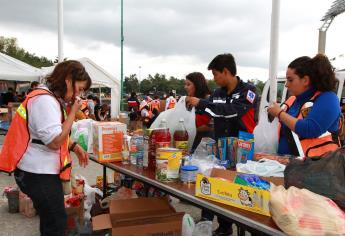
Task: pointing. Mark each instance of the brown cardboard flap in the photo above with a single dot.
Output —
(144, 220)
(129, 208)
(172, 228)
(225, 174)
(101, 222)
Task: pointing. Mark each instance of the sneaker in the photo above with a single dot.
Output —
(222, 232)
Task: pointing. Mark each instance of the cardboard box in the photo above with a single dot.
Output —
(108, 140)
(220, 188)
(140, 217)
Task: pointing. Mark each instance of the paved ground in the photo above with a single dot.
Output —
(17, 224)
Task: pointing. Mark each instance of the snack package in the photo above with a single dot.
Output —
(245, 149)
(232, 151)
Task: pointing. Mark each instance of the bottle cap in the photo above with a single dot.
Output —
(181, 120)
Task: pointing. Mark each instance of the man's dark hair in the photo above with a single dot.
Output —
(222, 61)
(133, 94)
(90, 97)
(34, 84)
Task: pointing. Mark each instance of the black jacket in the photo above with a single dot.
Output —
(232, 112)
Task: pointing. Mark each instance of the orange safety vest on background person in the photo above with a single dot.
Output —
(312, 146)
(155, 104)
(172, 102)
(18, 137)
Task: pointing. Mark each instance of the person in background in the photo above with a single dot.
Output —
(33, 85)
(232, 107)
(97, 108)
(133, 102)
(155, 104)
(8, 96)
(91, 107)
(145, 113)
(313, 110)
(104, 112)
(170, 101)
(37, 149)
(196, 86)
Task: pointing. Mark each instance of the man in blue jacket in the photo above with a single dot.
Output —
(232, 107)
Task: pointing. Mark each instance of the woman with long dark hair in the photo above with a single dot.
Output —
(37, 144)
(196, 86)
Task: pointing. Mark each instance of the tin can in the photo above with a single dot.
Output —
(168, 161)
(188, 174)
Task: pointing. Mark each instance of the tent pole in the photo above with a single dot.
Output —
(274, 49)
(60, 30)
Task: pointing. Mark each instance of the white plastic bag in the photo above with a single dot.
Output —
(172, 116)
(263, 167)
(83, 127)
(187, 225)
(203, 228)
(266, 135)
(302, 212)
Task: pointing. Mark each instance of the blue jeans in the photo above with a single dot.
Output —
(46, 193)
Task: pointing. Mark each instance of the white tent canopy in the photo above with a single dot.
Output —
(100, 78)
(16, 70)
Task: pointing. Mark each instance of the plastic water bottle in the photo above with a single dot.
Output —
(140, 151)
(133, 150)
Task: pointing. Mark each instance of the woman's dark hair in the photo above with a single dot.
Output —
(56, 80)
(319, 69)
(200, 84)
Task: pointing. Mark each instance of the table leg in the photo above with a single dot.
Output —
(240, 230)
(104, 181)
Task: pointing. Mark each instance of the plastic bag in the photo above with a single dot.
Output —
(187, 225)
(301, 212)
(203, 228)
(263, 167)
(324, 176)
(172, 116)
(81, 133)
(266, 135)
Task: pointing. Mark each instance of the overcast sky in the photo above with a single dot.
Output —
(173, 37)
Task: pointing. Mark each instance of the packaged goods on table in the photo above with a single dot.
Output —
(108, 140)
(245, 147)
(220, 187)
(168, 163)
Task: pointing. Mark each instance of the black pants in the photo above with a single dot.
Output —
(46, 193)
(224, 223)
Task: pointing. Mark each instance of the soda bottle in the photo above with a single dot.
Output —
(181, 137)
(159, 138)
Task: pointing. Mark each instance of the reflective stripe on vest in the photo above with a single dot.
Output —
(18, 138)
(311, 146)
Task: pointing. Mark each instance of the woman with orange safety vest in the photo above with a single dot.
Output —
(37, 145)
(310, 117)
(170, 101)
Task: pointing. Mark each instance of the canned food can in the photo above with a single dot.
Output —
(168, 161)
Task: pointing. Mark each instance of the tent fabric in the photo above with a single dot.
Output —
(16, 70)
(100, 78)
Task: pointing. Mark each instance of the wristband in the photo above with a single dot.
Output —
(280, 114)
(71, 148)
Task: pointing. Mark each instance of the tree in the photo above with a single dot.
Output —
(131, 84)
(10, 47)
(211, 85)
(145, 86)
(259, 85)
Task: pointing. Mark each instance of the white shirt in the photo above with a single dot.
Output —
(44, 117)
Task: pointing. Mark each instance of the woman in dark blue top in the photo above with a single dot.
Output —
(315, 111)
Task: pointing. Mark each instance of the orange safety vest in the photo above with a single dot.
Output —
(172, 103)
(155, 104)
(18, 137)
(312, 146)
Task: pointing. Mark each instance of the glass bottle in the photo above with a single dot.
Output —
(181, 137)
